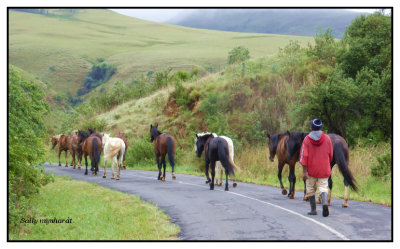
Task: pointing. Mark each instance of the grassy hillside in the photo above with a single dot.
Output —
(60, 48)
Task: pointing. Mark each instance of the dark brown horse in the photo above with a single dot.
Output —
(122, 136)
(277, 146)
(163, 144)
(340, 157)
(91, 145)
(62, 141)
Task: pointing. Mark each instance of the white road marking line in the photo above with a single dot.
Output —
(268, 203)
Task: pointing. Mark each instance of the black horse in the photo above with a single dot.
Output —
(340, 157)
(215, 149)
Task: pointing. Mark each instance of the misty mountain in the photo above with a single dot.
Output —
(303, 22)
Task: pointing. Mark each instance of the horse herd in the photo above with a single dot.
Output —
(218, 153)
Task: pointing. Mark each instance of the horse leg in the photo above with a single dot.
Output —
(105, 167)
(86, 171)
(59, 157)
(207, 163)
(66, 158)
(346, 196)
(159, 166)
(221, 174)
(292, 180)
(115, 162)
(164, 164)
(280, 167)
(79, 159)
(212, 175)
(73, 163)
(226, 181)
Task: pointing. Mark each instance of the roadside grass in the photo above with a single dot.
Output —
(97, 213)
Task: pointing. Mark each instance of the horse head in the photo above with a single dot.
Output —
(201, 140)
(54, 141)
(154, 132)
(106, 138)
(82, 136)
(272, 144)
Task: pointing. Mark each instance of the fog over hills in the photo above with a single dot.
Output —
(303, 22)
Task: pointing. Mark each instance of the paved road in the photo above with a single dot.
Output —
(248, 212)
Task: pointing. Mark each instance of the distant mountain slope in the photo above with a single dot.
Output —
(59, 47)
(303, 22)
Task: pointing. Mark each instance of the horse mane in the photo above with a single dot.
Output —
(57, 136)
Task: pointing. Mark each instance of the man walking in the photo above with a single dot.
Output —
(315, 155)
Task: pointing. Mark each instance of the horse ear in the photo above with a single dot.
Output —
(268, 136)
(287, 132)
(197, 136)
(151, 125)
(156, 125)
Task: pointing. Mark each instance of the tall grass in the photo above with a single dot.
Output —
(97, 213)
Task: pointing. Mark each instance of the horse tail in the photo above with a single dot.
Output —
(96, 151)
(225, 159)
(343, 166)
(170, 151)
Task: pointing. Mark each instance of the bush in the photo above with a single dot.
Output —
(384, 165)
(140, 151)
(26, 134)
(238, 54)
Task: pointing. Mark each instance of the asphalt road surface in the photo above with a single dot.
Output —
(248, 212)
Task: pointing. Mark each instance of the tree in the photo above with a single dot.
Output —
(369, 41)
(238, 54)
(26, 133)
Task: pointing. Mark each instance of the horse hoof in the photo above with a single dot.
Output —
(118, 179)
(163, 179)
(226, 189)
(208, 181)
(345, 205)
(79, 168)
(284, 191)
(112, 177)
(305, 199)
(86, 173)
(291, 196)
(173, 177)
(104, 176)
(234, 184)
(211, 187)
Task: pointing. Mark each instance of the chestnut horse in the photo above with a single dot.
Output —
(277, 146)
(163, 144)
(91, 145)
(75, 148)
(122, 136)
(340, 157)
(62, 141)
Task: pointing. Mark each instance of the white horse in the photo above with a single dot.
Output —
(114, 148)
(218, 166)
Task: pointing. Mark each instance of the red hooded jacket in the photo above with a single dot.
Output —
(316, 155)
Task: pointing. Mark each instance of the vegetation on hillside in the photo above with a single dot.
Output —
(26, 133)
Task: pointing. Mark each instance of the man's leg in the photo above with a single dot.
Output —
(322, 185)
(310, 186)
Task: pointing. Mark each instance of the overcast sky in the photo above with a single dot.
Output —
(162, 15)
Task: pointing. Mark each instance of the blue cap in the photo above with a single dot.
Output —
(316, 124)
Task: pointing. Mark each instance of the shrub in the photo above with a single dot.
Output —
(140, 151)
(238, 54)
(384, 165)
(26, 134)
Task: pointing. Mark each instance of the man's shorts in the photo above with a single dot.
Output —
(312, 183)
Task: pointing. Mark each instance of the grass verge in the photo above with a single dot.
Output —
(96, 213)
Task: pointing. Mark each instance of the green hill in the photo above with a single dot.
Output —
(60, 47)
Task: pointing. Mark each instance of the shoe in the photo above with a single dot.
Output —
(325, 209)
(313, 206)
